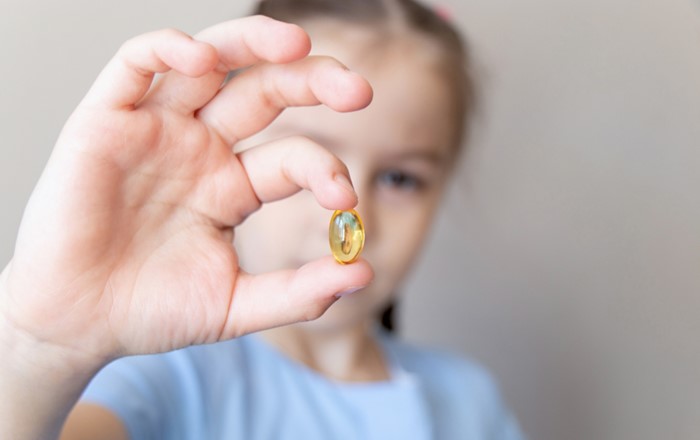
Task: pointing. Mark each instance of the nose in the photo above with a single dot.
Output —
(365, 207)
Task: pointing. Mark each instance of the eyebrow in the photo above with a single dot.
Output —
(427, 155)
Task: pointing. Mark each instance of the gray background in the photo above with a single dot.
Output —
(567, 256)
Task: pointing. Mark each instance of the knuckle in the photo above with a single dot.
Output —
(302, 142)
(138, 42)
(128, 46)
(308, 146)
(260, 18)
(315, 153)
(314, 312)
(325, 62)
(171, 33)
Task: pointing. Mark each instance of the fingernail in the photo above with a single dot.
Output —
(345, 182)
(348, 291)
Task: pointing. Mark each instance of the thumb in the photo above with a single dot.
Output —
(279, 298)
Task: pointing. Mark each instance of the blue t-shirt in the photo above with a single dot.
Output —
(246, 389)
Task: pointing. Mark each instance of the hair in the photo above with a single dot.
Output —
(396, 18)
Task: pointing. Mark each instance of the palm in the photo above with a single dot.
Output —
(151, 238)
(187, 257)
(126, 242)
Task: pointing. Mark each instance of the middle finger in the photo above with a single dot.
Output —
(241, 42)
(253, 99)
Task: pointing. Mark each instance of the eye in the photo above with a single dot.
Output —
(397, 179)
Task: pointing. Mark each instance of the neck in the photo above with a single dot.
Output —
(350, 355)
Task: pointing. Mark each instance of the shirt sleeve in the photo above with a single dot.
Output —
(152, 395)
(498, 420)
(505, 426)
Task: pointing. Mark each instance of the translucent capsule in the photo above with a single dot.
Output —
(346, 235)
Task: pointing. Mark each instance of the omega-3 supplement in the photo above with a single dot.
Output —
(346, 235)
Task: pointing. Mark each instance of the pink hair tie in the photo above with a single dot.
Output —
(444, 12)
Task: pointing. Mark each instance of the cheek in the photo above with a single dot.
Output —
(400, 235)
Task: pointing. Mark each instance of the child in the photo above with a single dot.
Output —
(125, 246)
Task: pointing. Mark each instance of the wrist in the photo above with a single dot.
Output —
(39, 381)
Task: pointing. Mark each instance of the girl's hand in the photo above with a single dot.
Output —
(126, 243)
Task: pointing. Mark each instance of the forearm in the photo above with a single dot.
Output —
(39, 383)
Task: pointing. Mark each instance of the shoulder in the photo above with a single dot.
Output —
(167, 395)
(462, 394)
(184, 369)
(188, 361)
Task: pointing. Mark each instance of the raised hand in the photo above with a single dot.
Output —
(125, 245)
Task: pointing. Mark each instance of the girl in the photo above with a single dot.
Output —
(142, 195)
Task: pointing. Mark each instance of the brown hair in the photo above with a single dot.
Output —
(385, 16)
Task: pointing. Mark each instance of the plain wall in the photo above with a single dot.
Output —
(567, 256)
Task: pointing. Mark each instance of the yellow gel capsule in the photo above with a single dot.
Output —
(346, 235)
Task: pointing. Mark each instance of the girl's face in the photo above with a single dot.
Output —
(399, 153)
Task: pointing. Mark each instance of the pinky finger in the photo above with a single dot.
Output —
(129, 74)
